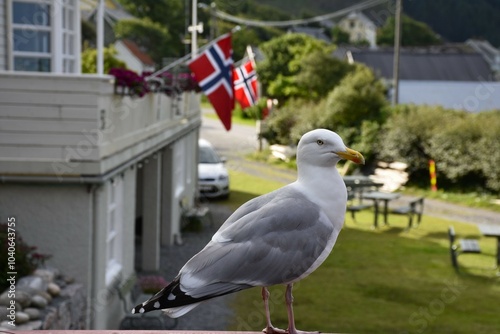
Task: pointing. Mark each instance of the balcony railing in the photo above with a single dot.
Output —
(78, 120)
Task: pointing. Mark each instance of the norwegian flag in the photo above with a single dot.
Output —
(213, 69)
(245, 85)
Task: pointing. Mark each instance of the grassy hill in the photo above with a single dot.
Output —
(454, 20)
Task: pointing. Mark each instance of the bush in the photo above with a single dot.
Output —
(279, 123)
(359, 97)
(464, 146)
(89, 60)
(26, 258)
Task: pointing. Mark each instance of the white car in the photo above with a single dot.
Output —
(213, 178)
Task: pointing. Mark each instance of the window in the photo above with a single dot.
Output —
(114, 229)
(44, 36)
(32, 36)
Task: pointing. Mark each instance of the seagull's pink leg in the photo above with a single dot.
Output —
(289, 309)
(269, 326)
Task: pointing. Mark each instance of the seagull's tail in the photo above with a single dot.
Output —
(175, 302)
(171, 299)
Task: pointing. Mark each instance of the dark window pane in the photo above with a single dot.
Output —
(31, 13)
(31, 64)
(31, 40)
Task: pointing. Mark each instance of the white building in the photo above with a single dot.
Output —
(360, 28)
(80, 166)
(136, 60)
(452, 76)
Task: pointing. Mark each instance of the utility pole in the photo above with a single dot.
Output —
(213, 24)
(100, 37)
(194, 28)
(397, 50)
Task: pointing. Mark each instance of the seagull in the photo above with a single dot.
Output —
(277, 238)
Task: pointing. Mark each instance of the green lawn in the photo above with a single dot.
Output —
(383, 281)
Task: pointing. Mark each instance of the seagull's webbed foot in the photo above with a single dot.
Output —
(274, 330)
(291, 320)
(270, 329)
(296, 331)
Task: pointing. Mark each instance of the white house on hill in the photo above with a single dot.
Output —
(360, 28)
(82, 167)
(136, 59)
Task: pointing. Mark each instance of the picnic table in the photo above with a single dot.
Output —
(377, 197)
(492, 231)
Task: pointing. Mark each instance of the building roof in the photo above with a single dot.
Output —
(318, 33)
(138, 53)
(435, 63)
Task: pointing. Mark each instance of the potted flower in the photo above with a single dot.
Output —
(129, 83)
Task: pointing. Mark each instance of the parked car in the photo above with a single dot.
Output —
(213, 178)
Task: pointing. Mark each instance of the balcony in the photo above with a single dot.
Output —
(74, 125)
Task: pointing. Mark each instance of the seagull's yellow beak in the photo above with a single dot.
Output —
(352, 155)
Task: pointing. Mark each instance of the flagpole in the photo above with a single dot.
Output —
(258, 122)
(194, 29)
(186, 57)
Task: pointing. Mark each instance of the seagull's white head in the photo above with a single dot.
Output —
(324, 148)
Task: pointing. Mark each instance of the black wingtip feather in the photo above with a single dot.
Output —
(161, 301)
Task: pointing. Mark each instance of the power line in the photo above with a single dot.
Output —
(255, 23)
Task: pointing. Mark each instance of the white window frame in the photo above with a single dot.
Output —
(62, 60)
(114, 230)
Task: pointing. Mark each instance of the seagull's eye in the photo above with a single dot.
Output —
(319, 142)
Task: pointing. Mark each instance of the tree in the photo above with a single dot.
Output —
(414, 33)
(339, 36)
(359, 97)
(319, 74)
(284, 60)
(89, 60)
(168, 15)
(149, 35)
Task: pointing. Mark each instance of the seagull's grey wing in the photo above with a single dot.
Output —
(276, 243)
(251, 206)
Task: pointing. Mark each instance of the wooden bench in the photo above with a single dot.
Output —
(414, 207)
(355, 203)
(464, 246)
(155, 320)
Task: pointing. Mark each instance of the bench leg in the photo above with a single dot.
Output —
(410, 220)
(353, 215)
(454, 261)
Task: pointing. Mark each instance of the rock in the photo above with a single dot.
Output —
(5, 325)
(38, 301)
(34, 282)
(5, 299)
(33, 313)
(45, 295)
(46, 274)
(23, 298)
(50, 319)
(53, 289)
(70, 280)
(29, 326)
(3, 312)
(22, 318)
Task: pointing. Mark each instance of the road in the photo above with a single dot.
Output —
(240, 140)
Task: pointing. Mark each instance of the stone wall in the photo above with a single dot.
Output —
(44, 300)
